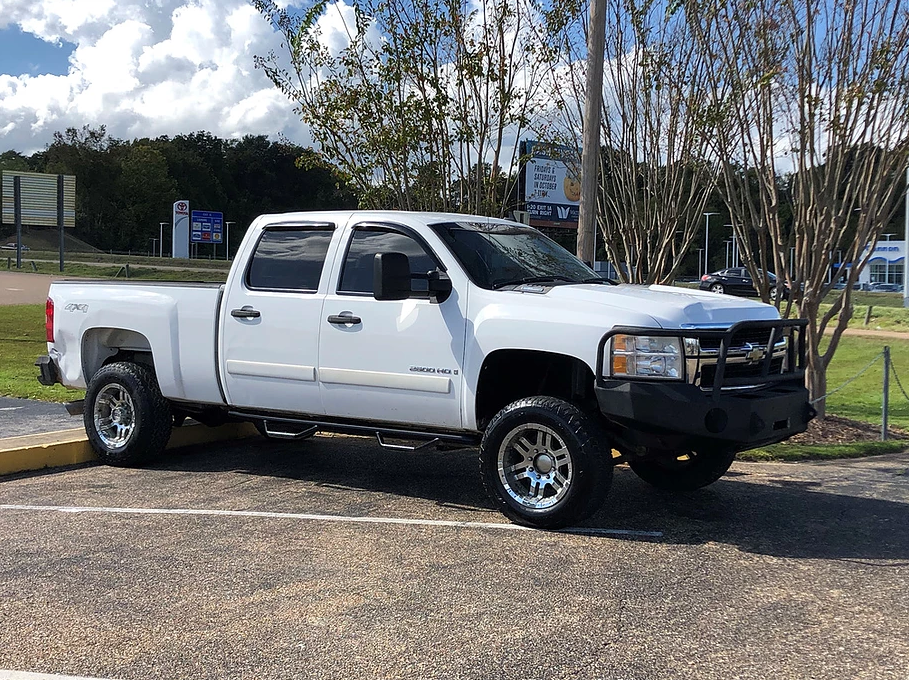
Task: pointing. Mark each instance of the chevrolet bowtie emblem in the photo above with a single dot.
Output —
(753, 354)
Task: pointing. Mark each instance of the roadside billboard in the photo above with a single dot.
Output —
(39, 199)
(552, 184)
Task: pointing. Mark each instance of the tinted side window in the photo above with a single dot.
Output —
(289, 259)
(356, 276)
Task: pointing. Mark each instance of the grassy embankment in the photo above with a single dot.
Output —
(22, 341)
(119, 260)
(118, 271)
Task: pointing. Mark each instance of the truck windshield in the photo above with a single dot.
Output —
(499, 255)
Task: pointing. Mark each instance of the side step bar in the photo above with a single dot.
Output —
(404, 447)
(273, 426)
(281, 434)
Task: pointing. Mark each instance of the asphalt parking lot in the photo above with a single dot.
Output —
(332, 558)
(28, 416)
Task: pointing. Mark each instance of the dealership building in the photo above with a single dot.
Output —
(886, 264)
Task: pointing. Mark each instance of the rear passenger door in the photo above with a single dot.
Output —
(271, 319)
(396, 361)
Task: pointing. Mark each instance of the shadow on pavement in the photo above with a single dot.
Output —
(781, 517)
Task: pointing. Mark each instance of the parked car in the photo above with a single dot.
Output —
(444, 330)
(885, 288)
(735, 281)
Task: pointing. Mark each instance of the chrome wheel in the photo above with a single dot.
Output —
(535, 466)
(114, 415)
(717, 288)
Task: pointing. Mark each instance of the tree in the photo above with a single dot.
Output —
(421, 93)
(818, 93)
(654, 179)
(94, 158)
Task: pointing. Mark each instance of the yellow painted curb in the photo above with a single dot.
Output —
(69, 447)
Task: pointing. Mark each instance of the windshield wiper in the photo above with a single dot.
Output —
(531, 279)
(599, 279)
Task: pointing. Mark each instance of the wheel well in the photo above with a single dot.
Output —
(102, 346)
(511, 374)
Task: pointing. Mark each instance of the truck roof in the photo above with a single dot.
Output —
(409, 218)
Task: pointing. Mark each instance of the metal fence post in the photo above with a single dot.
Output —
(885, 403)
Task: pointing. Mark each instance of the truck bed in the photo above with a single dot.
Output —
(176, 321)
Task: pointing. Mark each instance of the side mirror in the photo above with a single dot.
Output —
(391, 277)
(439, 286)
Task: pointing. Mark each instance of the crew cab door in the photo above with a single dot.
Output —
(395, 361)
(271, 318)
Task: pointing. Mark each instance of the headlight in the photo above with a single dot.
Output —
(643, 356)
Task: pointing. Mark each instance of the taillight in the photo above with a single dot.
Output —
(705, 277)
(49, 319)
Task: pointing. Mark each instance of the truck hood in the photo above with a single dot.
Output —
(669, 306)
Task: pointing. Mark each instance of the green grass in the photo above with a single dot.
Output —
(794, 452)
(118, 271)
(861, 399)
(884, 317)
(21, 342)
(123, 259)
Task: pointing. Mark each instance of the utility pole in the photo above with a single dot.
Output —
(596, 47)
(906, 247)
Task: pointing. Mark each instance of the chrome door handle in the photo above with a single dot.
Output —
(245, 312)
(344, 319)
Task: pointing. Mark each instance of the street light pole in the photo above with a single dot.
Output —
(887, 259)
(735, 246)
(707, 239)
(227, 241)
(161, 241)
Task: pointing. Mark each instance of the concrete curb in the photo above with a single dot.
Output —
(70, 447)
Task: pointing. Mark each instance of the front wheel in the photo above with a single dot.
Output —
(687, 472)
(544, 463)
(127, 420)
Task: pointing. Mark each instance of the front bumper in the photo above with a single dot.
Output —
(681, 417)
(734, 406)
(49, 375)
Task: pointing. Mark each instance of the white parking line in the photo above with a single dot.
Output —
(325, 518)
(20, 675)
(11, 408)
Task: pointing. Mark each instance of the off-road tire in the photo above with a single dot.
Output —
(152, 415)
(702, 470)
(586, 443)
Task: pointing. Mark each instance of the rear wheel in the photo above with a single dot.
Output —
(544, 463)
(127, 419)
(686, 472)
(717, 288)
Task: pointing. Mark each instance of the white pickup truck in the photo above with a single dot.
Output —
(437, 329)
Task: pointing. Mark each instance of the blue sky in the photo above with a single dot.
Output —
(141, 68)
(23, 53)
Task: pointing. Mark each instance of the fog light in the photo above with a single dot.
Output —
(716, 420)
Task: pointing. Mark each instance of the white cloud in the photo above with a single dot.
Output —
(145, 68)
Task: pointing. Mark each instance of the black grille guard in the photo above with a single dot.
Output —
(776, 329)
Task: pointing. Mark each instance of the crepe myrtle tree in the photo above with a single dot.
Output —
(654, 180)
(808, 121)
(419, 95)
